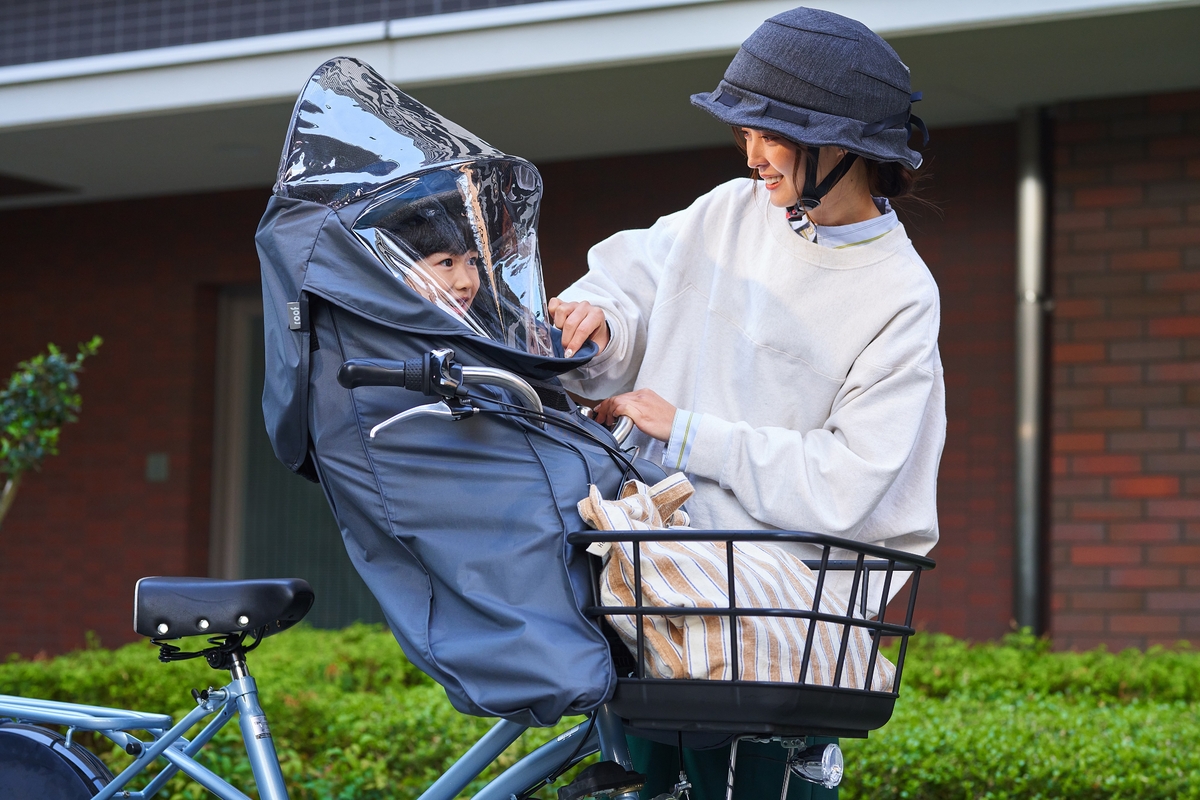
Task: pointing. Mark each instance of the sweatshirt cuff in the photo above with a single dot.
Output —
(683, 438)
(710, 447)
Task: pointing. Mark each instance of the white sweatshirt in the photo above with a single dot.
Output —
(816, 370)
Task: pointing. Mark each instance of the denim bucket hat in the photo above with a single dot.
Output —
(818, 79)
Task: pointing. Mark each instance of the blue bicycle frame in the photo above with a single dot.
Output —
(240, 698)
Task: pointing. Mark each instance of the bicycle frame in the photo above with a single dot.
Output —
(240, 698)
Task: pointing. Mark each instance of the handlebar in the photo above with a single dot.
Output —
(436, 373)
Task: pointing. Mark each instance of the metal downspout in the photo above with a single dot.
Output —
(1032, 308)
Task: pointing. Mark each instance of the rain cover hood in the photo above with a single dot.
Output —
(449, 221)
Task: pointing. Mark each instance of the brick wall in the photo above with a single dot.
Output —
(143, 275)
(1126, 379)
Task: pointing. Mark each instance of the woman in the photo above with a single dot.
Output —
(777, 340)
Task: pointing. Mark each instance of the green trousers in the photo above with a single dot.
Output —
(759, 774)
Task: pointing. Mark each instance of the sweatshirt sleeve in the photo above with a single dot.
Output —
(832, 478)
(623, 276)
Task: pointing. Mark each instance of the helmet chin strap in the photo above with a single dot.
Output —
(813, 192)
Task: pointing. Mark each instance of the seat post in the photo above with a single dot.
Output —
(256, 733)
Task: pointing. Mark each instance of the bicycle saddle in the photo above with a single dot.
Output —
(171, 608)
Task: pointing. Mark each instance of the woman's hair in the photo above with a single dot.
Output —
(889, 179)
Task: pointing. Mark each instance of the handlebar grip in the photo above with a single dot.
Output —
(361, 372)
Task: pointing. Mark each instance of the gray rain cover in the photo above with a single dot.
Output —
(392, 231)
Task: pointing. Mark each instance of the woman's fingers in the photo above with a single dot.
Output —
(579, 322)
(651, 414)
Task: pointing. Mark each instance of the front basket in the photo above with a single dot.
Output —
(735, 705)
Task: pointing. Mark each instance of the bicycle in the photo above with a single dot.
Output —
(238, 615)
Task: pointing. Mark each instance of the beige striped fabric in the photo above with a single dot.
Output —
(693, 575)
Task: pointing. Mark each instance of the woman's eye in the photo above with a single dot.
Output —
(446, 262)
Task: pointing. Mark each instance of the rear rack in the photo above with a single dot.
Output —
(738, 706)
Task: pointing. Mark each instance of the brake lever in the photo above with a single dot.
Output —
(440, 410)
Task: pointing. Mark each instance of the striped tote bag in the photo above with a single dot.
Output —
(693, 575)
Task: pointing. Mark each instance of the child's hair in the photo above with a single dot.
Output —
(434, 226)
(889, 179)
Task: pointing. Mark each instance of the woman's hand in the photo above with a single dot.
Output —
(651, 414)
(578, 322)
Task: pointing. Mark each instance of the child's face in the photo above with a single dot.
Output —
(458, 275)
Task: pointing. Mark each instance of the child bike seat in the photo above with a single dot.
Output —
(171, 608)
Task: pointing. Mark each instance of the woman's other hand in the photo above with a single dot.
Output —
(578, 322)
(651, 414)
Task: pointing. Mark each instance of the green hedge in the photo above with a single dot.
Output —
(352, 719)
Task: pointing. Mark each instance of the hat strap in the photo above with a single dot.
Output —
(905, 118)
(813, 192)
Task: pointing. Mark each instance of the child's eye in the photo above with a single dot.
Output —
(446, 262)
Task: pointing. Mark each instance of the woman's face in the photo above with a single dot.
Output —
(458, 275)
(777, 162)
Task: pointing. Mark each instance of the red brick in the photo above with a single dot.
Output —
(1143, 531)
(1074, 263)
(1143, 350)
(1065, 576)
(1106, 601)
(1143, 623)
(1175, 462)
(1143, 577)
(1108, 418)
(1145, 486)
(1078, 176)
(1078, 442)
(1181, 371)
(1106, 374)
(1106, 509)
(1172, 417)
(1147, 216)
(1105, 464)
(1104, 329)
(1079, 353)
(1108, 196)
(1180, 508)
(1077, 532)
(1079, 220)
(1174, 554)
(1144, 441)
(1158, 304)
(1146, 260)
(1074, 488)
(1077, 623)
(1144, 395)
(1106, 240)
(1078, 398)
(1145, 171)
(1099, 555)
(1104, 284)
(1173, 601)
(1175, 326)
(1084, 307)
(1174, 236)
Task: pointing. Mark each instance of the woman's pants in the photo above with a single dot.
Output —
(759, 773)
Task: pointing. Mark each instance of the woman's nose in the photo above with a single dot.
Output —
(754, 158)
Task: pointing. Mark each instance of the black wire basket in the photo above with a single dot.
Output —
(753, 707)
